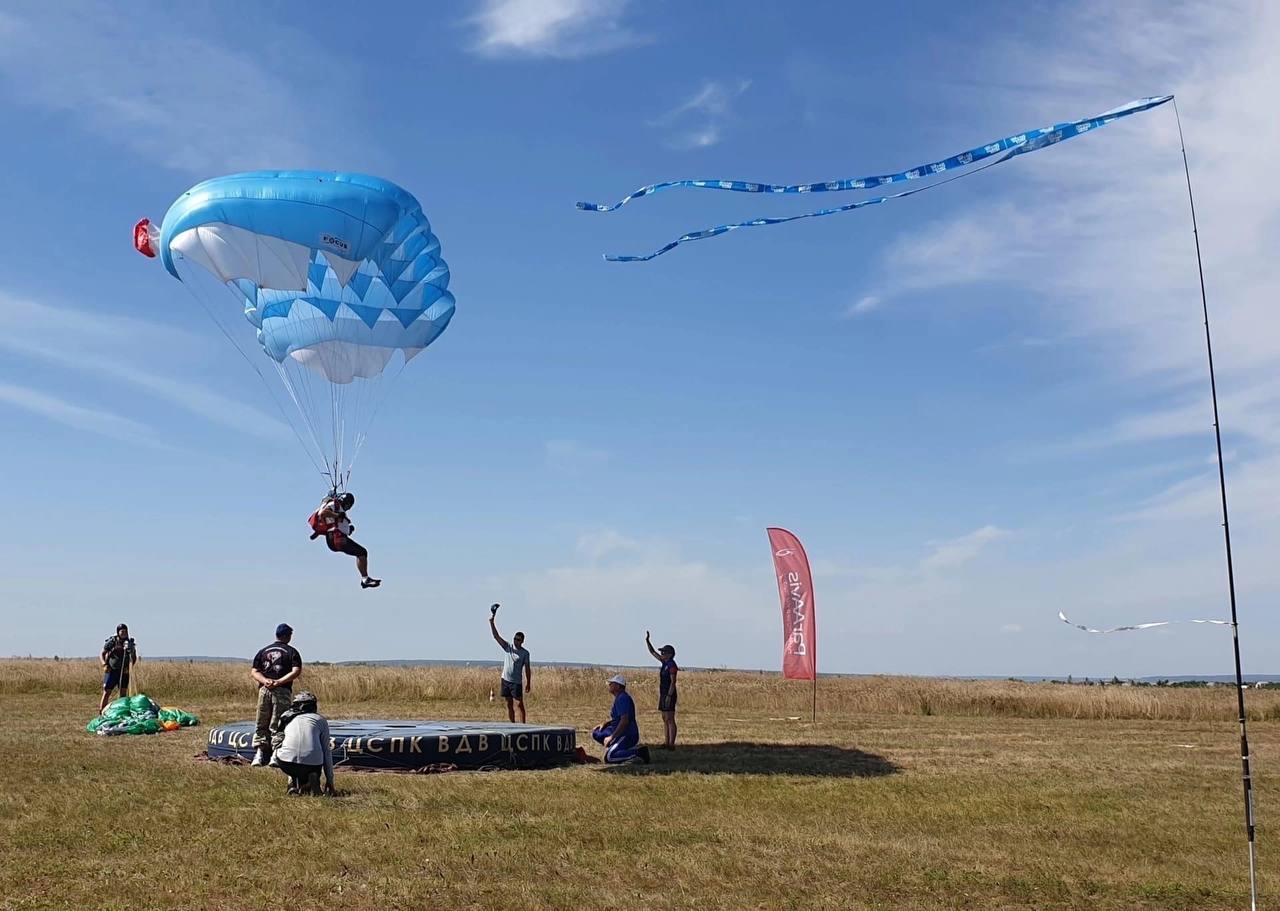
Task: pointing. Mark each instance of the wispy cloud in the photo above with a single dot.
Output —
(111, 348)
(700, 120)
(957, 552)
(643, 582)
(552, 28)
(98, 64)
(605, 542)
(93, 420)
(861, 306)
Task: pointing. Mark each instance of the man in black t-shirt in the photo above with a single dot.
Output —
(274, 669)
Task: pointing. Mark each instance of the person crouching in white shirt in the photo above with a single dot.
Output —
(306, 749)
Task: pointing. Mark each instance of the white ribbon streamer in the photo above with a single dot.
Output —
(1121, 629)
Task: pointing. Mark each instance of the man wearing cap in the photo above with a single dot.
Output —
(274, 669)
(620, 735)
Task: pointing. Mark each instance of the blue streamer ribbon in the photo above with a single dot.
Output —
(1010, 146)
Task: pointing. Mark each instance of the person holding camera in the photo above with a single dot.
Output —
(119, 655)
(517, 661)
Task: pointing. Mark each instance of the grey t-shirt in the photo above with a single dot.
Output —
(515, 663)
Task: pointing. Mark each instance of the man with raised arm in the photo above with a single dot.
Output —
(516, 661)
(666, 656)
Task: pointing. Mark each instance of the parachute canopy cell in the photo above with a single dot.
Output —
(337, 271)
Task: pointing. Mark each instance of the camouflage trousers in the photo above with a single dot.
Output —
(272, 703)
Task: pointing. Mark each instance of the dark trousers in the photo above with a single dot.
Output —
(305, 777)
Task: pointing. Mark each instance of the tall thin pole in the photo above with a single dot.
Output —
(815, 695)
(1226, 533)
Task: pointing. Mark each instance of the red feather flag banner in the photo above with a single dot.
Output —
(795, 590)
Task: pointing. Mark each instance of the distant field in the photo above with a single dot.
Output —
(907, 794)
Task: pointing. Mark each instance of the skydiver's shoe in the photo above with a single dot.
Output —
(259, 756)
(370, 583)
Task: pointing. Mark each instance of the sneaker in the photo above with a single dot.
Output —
(274, 761)
(370, 583)
(292, 790)
(259, 756)
(643, 753)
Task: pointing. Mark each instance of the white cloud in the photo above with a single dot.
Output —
(604, 542)
(552, 28)
(700, 120)
(951, 554)
(1091, 240)
(111, 348)
(1107, 248)
(603, 608)
(216, 109)
(864, 304)
(93, 420)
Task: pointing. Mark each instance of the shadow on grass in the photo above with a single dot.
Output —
(740, 758)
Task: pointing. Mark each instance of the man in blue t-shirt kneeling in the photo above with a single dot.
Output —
(620, 735)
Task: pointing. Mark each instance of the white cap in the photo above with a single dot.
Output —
(618, 679)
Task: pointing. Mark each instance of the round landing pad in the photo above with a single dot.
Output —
(361, 743)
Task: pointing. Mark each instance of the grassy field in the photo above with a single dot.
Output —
(907, 794)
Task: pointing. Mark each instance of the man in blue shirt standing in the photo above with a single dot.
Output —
(517, 661)
(620, 735)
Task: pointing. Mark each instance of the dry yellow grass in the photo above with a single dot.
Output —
(880, 695)
(908, 794)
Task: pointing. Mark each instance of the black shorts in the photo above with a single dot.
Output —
(340, 543)
(113, 679)
(512, 690)
(667, 702)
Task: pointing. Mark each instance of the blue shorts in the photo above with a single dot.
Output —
(113, 679)
(667, 702)
(512, 690)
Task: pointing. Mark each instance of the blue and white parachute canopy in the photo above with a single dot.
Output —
(337, 271)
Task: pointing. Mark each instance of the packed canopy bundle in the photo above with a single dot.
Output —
(139, 714)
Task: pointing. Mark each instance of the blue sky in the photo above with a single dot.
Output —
(977, 407)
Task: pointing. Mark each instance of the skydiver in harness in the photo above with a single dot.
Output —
(331, 521)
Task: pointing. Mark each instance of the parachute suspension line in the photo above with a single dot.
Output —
(311, 428)
(200, 297)
(304, 413)
(377, 406)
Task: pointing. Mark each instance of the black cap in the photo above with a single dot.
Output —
(283, 629)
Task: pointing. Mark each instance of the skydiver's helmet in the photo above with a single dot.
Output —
(304, 702)
(347, 500)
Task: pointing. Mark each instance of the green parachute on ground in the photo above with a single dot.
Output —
(139, 714)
